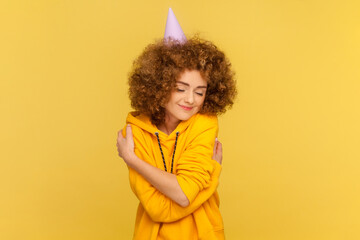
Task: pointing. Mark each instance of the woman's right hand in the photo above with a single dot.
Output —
(217, 153)
(125, 146)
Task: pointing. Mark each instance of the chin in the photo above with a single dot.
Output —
(185, 117)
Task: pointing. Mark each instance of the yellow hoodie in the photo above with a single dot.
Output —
(159, 217)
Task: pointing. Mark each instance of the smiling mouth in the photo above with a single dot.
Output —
(186, 108)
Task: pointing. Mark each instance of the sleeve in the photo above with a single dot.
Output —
(195, 166)
(159, 207)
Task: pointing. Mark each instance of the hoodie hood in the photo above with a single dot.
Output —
(143, 121)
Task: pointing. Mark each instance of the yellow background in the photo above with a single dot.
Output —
(291, 168)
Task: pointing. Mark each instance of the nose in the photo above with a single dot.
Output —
(189, 98)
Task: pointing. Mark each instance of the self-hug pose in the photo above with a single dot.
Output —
(178, 86)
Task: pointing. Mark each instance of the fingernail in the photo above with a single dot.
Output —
(216, 140)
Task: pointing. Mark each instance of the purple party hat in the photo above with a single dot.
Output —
(173, 29)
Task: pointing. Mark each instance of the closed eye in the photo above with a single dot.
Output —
(180, 90)
(200, 94)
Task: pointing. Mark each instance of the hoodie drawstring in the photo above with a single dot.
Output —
(162, 154)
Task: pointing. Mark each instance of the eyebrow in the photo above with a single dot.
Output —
(189, 84)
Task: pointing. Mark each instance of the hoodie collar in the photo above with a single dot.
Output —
(143, 121)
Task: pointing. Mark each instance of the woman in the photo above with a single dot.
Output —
(177, 89)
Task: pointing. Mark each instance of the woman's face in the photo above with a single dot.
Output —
(188, 97)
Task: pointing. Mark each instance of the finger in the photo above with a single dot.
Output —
(120, 132)
(219, 148)
(129, 135)
(120, 136)
(220, 152)
(215, 146)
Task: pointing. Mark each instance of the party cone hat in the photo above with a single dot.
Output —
(173, 29)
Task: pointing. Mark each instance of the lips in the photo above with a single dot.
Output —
(186, 108)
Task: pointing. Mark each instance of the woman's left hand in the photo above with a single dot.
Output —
(217, 153)
(125, 145)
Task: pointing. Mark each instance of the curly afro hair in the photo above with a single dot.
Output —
(154, 74)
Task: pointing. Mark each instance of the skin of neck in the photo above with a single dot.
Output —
(169, 125)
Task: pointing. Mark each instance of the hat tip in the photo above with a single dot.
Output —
(173, 29)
